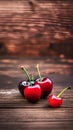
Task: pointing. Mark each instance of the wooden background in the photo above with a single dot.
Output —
(44, 29)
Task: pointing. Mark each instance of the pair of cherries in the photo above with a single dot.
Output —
(41, 87)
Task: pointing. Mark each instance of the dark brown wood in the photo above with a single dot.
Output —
(46, 25)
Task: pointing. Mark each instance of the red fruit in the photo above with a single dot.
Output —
(54, 101)
(23, 84)
(32, 93)
(46, 86)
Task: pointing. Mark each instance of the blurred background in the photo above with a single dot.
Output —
(36, 28)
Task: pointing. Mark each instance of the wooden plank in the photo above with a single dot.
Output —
(34, 114)
(60, 118)
(37, 125)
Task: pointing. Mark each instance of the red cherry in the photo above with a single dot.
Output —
(23, 84)
(46, 86)
(56, 101)
(32, 93)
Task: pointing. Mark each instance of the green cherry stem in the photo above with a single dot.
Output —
(37, 67)
(59, 95)
(26, 72)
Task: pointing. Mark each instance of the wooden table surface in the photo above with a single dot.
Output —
(16, 113)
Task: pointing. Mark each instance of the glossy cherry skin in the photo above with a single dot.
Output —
(46, 86)
(32, 93)
(22, 86)
(54, 101)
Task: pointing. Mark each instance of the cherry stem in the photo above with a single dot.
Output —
(26, 72)
(63, 91)
(37, 67)
(32, 78)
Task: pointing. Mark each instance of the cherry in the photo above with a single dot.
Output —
(56, 101)
(45, 83)
(32, 93)
(23, 84)
(29, 89)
